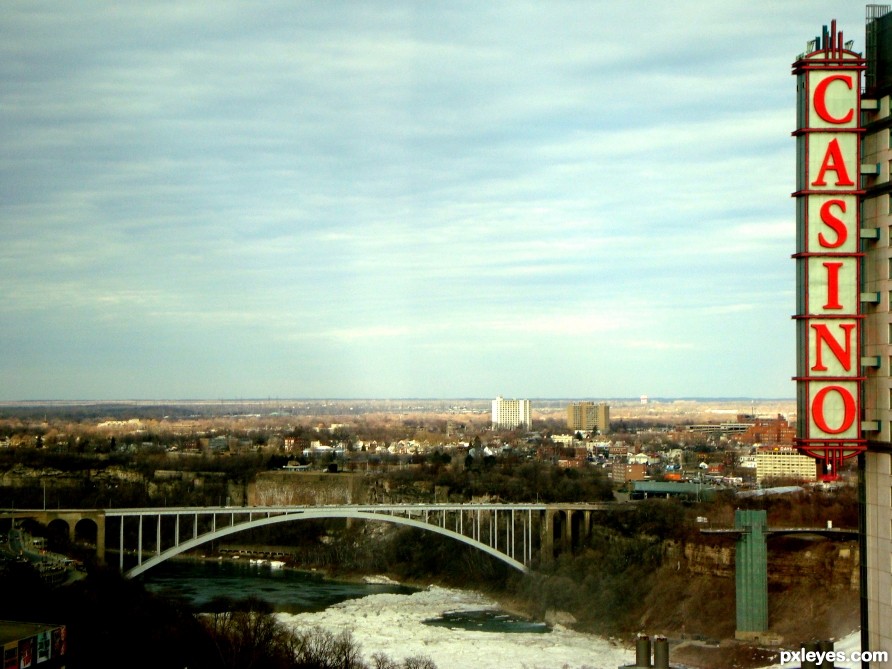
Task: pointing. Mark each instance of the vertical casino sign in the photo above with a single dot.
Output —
(828, 258)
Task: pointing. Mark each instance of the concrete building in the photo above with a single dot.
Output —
(588, 416)
(784, 462)
(623, 472)
(511, 414)
(876, 244)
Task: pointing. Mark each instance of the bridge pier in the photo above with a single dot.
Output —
(568, 520)
(567, 533)
(100, 538)
(546, 536)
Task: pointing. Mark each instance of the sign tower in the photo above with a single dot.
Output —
(828, 257)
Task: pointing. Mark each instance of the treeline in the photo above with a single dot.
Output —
(84, 480)
(114, 622)
(245, 635)
(505, 478)
(91, 481)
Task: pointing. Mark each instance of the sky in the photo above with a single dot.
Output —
(400, 199)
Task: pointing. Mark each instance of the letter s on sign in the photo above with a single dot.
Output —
(834, 223)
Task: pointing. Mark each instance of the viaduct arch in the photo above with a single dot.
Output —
(506, 532)
(317, 515)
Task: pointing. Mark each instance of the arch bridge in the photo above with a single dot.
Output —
(512, 533)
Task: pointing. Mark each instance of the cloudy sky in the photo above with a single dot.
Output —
(400, 199)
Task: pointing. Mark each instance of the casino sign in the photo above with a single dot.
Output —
(828, 259)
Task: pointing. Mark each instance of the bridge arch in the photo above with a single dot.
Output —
(86, 529)
(321, 513)
(59, 531)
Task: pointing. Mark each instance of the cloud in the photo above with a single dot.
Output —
(446, 176)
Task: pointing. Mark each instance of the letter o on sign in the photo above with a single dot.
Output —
(848, 405)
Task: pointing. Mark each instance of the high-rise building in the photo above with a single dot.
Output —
(588, 416)
(876, 286)
(511, 414)
(844, 277)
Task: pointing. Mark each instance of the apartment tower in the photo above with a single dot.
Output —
(588, 416)
(511, 414)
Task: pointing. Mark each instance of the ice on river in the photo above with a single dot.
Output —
(392, 624)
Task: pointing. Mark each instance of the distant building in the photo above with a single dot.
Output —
(588, 416)
(747, 462)
(742, 423)
(622, 472)
(511, 414)
(618, 450)
(684, 489)
(776, 462)
(295, 443)
(768, 431)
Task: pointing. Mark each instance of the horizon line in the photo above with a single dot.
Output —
(257, 400)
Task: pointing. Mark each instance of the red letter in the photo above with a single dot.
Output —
(832, 285)
(834, 161)
(822, 335)
(817, 409)
(821, 102)
(839, 227)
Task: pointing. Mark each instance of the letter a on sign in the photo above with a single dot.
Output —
(833, 162)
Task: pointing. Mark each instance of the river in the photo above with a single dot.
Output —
(457, 629)
(396, 620)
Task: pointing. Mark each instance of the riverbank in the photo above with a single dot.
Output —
(435, 598)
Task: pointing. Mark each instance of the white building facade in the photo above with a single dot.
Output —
(784, 462)
(511, 414)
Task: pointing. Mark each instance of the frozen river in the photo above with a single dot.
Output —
(388, 618)
(394, 624)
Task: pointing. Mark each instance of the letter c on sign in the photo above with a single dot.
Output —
(821, 101)
(817, 409)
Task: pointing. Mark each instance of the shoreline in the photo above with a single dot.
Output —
(689, 651)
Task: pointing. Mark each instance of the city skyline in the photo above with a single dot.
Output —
(400, 199)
